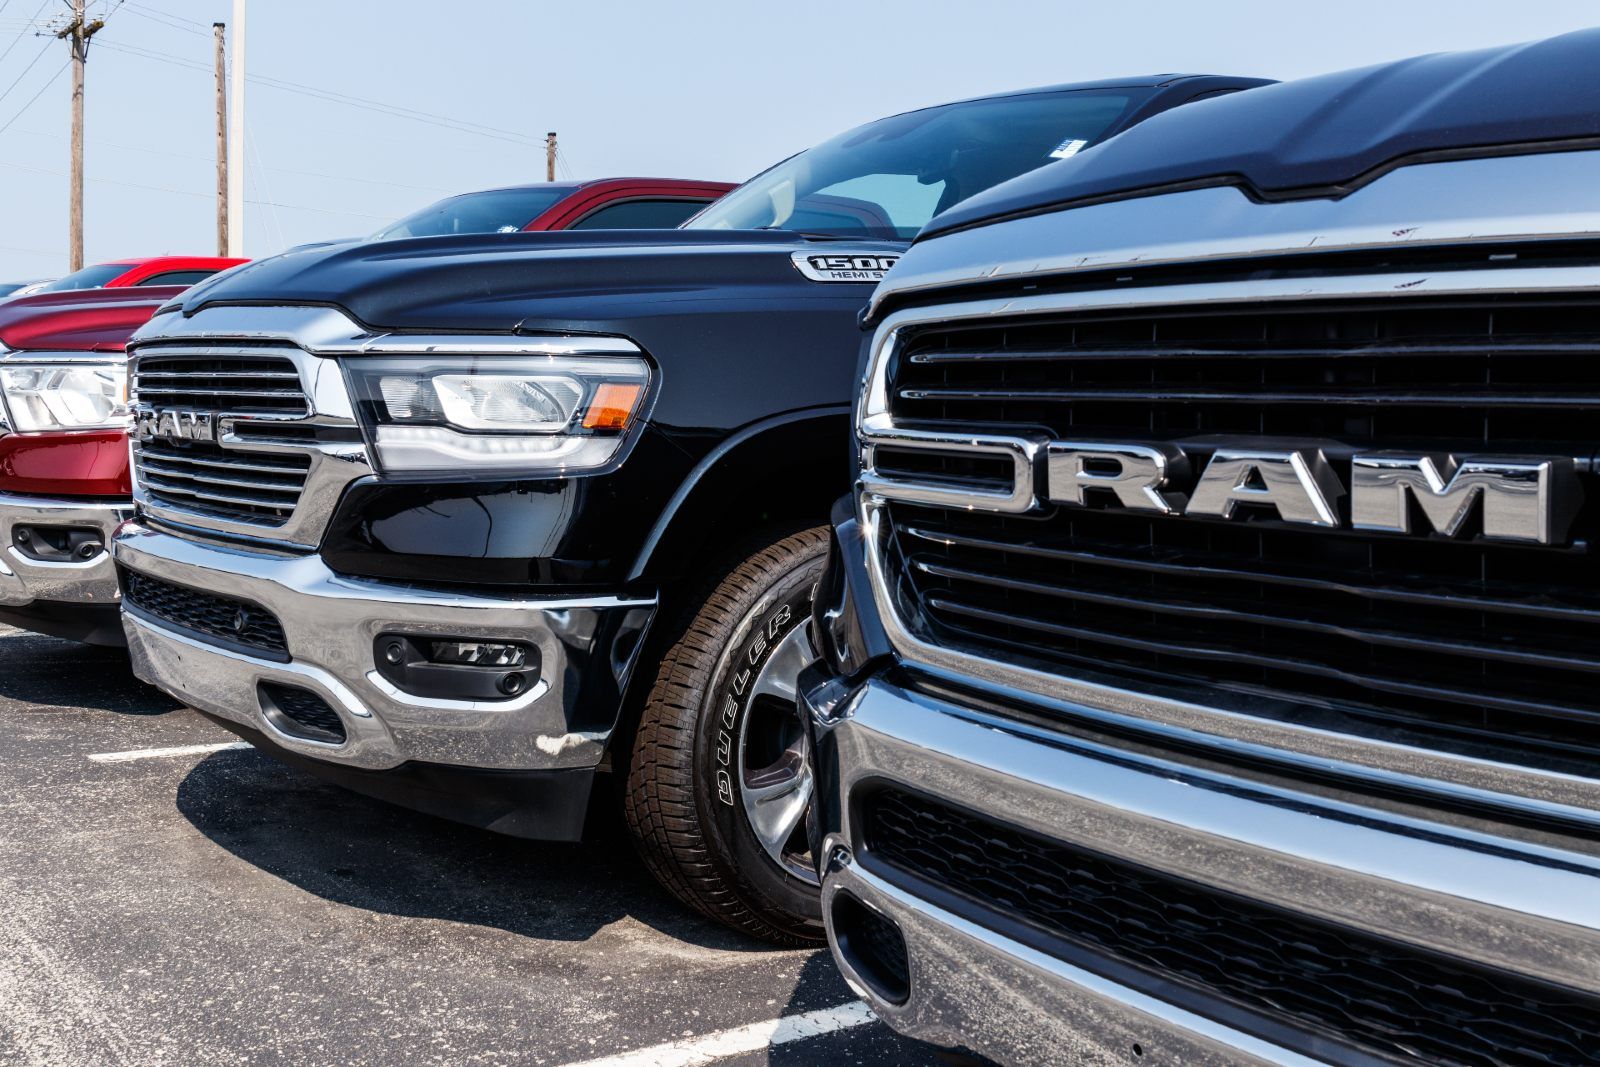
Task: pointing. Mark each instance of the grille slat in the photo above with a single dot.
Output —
(1450, 350)
(1501, 597)
(1220, 609)
(1321, 397)
(224, 375)
(211, 393)
(166, 471)
(1391, 999)
(1178, 644)
(210, 495)
(1464, 645)
(204, 478)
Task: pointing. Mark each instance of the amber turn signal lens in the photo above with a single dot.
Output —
(612, 406)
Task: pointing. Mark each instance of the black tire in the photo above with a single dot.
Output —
(682, 799)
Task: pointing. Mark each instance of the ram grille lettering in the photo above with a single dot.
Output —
(1525, 499)
(176, 426)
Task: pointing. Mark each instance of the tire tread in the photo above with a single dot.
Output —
(659, 804)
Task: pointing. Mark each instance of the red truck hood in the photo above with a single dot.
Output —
(81, 320)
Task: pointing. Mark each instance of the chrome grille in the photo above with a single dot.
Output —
(254, 486)
(243, 384)
(204, 477)
(242, 438)
(1469, 646)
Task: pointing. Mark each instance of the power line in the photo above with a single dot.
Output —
(187, 192)
(266, 189)
(23, 32)
(25, 70)
(332, 96)
(163, 13)
(276, 170)
(59, 71)
(24, 109)
(161, 19)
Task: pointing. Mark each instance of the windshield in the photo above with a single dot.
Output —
(87, 278)
(888, 178)
(496, 211)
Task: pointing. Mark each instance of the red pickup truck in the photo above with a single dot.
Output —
(64, 481)
(142, 270)
(601, 204)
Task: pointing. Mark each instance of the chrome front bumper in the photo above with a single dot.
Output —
(24, 581)
(586, 647)
(1531, 908)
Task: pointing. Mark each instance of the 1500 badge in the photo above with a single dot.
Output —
(845, 267)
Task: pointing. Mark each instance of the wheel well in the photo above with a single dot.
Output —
(780, 478)
(773, 475)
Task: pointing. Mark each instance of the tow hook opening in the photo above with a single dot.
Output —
(457, 668)
(873, 946)
(58, 544)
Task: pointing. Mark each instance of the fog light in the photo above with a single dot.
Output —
(456, 668)
(477, 654)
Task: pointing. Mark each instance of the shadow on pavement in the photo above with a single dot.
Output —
(361, 852)
(54, 673)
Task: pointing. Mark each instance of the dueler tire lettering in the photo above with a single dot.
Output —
(682, 799)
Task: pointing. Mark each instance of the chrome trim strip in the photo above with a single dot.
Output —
(1548, 196)
(330, 332)
(1531, 908)
(1206, 718)
(51, 358)
(1023, 452)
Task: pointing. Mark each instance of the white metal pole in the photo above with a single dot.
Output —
(236, 139)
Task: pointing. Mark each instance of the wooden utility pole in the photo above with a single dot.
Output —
(236, 139)
(77, 33)
(550, 156)
(217, 29)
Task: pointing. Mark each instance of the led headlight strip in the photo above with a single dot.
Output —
(436, 413)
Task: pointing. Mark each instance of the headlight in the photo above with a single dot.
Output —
(503, 414)
(78, 395)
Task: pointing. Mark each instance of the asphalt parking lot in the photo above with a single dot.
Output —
(211, 906)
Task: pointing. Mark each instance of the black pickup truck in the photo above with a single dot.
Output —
(1237, 704)
(462, 522)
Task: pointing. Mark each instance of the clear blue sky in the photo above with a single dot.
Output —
(698, 88)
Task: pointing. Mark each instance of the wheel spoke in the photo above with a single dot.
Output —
(780, 675)
(776, 809)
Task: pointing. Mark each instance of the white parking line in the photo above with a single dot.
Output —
(694, 1051)
(163, 753)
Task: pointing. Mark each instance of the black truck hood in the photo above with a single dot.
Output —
(586, 282)
(1323, 136)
